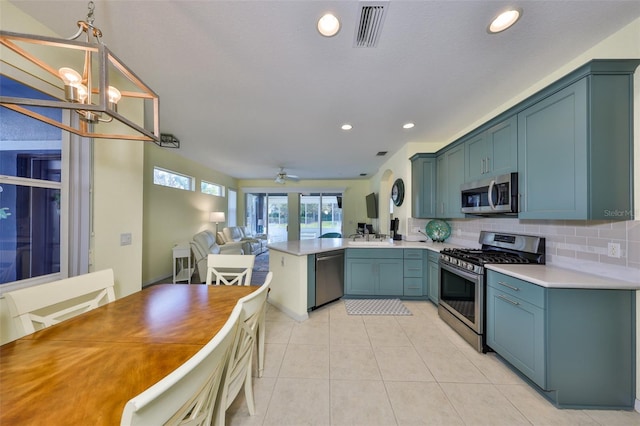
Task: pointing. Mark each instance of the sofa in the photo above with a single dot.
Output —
(251, 243)
(203, 244)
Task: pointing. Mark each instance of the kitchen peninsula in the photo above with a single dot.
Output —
(292, 263)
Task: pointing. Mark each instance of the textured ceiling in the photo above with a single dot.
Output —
(249, 86)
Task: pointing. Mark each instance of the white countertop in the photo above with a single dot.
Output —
(319, 245)
(555, 277)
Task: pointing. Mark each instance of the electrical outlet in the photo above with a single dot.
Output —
(614, 250)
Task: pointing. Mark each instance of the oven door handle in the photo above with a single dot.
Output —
(460, 272)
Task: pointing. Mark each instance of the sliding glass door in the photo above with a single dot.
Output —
(268, 214)
(320, 214)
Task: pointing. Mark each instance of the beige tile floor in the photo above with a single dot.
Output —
(339, 369)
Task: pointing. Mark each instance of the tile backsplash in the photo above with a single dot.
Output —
(581, 245)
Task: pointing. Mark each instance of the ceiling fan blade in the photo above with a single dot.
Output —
(293, 177)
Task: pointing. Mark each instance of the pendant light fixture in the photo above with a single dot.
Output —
(84, 77)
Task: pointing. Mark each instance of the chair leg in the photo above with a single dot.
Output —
(261, 334)
(248, 392)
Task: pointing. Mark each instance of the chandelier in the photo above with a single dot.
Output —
(84, 77)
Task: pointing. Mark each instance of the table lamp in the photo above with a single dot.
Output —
(216, 217)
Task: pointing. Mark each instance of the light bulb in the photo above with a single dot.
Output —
(328, 25)
(114, 95)
(504, 20)
(69, 76)
(82, 92)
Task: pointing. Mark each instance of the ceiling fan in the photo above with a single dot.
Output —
(282, 177)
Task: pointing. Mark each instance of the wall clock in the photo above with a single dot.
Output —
(397, 192)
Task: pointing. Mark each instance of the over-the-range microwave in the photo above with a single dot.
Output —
(496, 195)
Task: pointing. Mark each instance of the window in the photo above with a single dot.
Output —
(211, 188)
(232, 207)
(31, 184)
(172, 179)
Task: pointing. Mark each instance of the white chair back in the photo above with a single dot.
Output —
(230, 269)
(44, 305)
(241, 356)
(188, 395)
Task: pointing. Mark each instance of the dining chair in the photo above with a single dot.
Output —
(189, 394)
(241, 357)
(230, 269)
(47, 304)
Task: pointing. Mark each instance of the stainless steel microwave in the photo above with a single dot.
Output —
(496, 195)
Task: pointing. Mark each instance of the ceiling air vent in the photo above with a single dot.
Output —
(371, 19)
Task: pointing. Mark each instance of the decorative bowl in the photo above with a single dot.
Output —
(438, 230)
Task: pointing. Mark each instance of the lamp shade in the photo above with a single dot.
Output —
(216, 217)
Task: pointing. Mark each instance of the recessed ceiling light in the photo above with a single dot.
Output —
(328, 25)
(408, 126)
(346, 126)
(504, 20)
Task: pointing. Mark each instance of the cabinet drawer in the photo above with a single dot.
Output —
(413, 286)
(413, 268)
(413, 254)
(371, 253)
(515, 287)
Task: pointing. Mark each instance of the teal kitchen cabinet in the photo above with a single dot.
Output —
(433, 274)
(575, 148)
(450, 175)
(515, 324)
(492, 152)
(576, 345)
(374, 272)
(423, 186)
(415, 280)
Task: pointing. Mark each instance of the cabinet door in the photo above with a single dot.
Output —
(441, 186)
(502, 147)
(476, 157)
(434, 281)
(360, 277)
(552, 156)
(455, 178)
(423, 186)
(515, 330)
(390, 277)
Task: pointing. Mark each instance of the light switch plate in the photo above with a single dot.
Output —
(125, 239)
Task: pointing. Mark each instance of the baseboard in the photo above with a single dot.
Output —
(637, 405)
(160, 280)
(289, 312)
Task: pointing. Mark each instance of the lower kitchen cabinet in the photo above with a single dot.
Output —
(433, 276)
(374, 272)
(385, 272)
(576, 345)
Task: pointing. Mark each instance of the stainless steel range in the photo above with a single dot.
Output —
(462, 301)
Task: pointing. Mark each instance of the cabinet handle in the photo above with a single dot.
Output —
(486, 164)
(482, 166)
(414, 269)
(509, 286)
(513, 302)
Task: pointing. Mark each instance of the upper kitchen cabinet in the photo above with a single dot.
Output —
(449, 177)
(423, 185)
(492, 152)
(575, 146)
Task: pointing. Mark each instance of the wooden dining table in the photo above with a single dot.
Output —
(84, 370)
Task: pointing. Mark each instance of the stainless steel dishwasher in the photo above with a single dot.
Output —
(329, 276)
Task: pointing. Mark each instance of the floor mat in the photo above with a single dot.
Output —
(376, 307)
